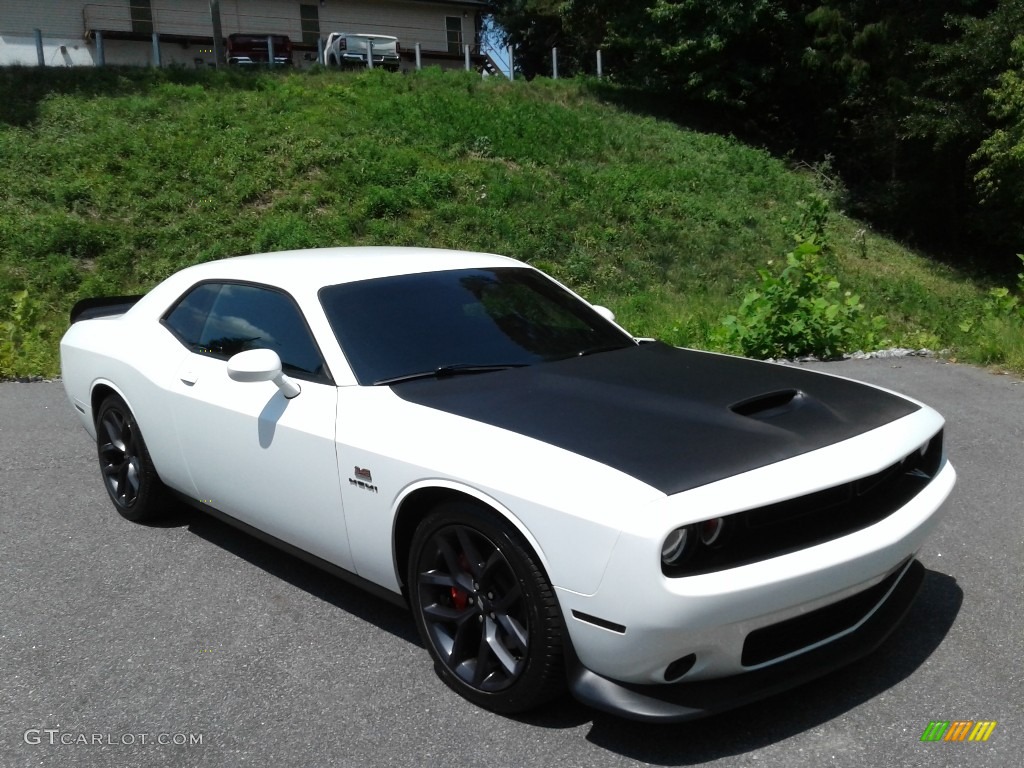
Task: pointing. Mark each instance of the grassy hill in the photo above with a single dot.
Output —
(112, 179)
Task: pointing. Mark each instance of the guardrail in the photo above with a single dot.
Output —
(483, 58)
(121, 29)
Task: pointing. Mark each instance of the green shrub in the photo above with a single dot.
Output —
(27, 339)
(803, 310)
(1001, 306)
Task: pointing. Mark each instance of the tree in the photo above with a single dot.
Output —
(577, 29)
(532, 28)
(870, 56)
(894, 91)
(729, 52)
(1000, 158)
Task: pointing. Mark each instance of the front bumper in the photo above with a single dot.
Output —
(247, 61)
(378, 61)
(678, 648)
(692, 700)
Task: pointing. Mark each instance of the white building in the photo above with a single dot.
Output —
(64, 33)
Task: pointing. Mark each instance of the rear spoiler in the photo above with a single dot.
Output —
(102, 306)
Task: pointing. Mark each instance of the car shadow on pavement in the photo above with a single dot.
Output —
(780, 717)
(297, 572)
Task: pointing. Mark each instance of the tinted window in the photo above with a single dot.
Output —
(397, 326)
(223, 319)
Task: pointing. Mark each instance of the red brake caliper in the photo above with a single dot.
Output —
(460, 597)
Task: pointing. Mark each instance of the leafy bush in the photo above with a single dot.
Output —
(1000, 304)
(995, 331)
(27, 345)
(802, 310)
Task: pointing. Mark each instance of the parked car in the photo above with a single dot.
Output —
(346, 49)
(667, 532)
(249, 50)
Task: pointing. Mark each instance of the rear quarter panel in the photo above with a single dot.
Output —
(134, 356)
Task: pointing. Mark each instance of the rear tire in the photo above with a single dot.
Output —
(485, 610)
(127, 470)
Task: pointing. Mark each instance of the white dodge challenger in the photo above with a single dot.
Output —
(666, 532)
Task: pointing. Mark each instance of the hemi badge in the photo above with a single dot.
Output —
(364, 474)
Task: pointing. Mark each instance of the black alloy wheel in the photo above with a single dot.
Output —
(127, 470)
(485, 609)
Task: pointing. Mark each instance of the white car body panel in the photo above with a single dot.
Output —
(281, 473)
(89, 359)
(417, 446)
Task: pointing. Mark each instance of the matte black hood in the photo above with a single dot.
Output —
(674, 419)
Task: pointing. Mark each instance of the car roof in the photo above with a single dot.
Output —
(310, 269)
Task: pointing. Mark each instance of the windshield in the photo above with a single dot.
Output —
(461, 320)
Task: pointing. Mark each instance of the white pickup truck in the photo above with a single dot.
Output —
(347, 49)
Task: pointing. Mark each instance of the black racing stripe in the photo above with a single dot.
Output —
(674, 419)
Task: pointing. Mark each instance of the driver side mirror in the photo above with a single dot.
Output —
(261, 365)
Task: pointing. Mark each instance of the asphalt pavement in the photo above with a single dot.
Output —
(190, 644)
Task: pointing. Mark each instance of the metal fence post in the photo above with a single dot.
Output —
(156, 49)
(554, 63)
(270, 51)
(599, 69)
(466, 49)
(320, 52)
(40, 56)
(101, 59)
(419, 57)
(218, 35)
(369, 53)
(511, 65)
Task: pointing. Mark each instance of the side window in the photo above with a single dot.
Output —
(223, 319)
(141, 13)
(309, 20)
(188, 317)
(453, 30)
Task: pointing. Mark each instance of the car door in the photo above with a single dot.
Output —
(253, 454)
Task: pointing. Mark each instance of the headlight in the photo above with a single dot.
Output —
(678, 545)
(681, 543)
(711, 531)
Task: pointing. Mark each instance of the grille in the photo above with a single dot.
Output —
(758, 534)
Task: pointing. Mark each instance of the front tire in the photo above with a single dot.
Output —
(127, 470)
(485, 609)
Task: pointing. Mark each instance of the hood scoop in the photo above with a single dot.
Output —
(770, 404)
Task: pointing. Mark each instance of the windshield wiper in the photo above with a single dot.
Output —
(458, 369)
